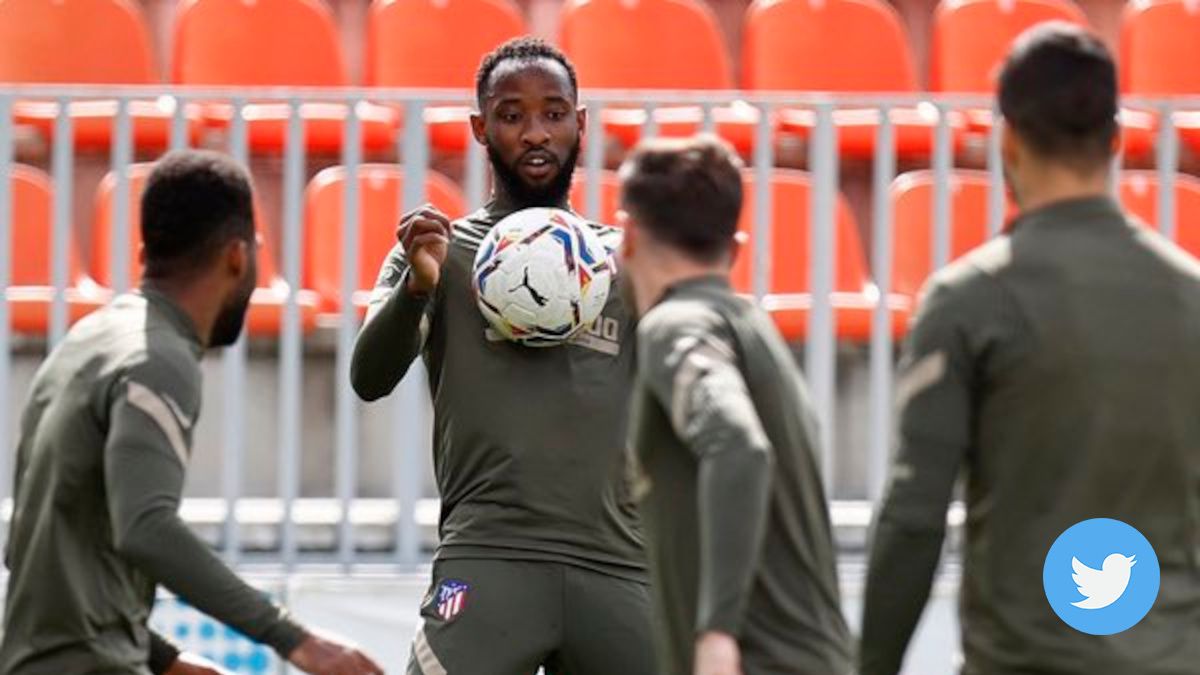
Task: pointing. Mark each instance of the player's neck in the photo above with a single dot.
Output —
(1055, 184)
(194, 299)
(668, 272)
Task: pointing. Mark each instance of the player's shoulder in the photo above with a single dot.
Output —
(160, 354)
(972, 277)
(676, 317)
(1170, 254)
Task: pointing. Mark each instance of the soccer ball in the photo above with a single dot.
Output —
(541, 275)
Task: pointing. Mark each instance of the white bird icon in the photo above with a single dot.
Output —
(1101, 588)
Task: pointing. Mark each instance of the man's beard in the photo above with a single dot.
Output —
(228, 325)
(553, 193)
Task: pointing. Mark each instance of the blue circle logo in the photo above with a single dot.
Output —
(1101, 576)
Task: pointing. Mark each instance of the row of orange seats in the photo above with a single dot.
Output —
(855, 294)
(381, 186)
(794, 45)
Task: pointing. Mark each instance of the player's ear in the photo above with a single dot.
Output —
(236, 257)
(581, 119)
(477, 128)
(735, 246)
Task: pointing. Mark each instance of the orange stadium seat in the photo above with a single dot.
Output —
(971, 38)
(273, 43)
(653, 44)
(381, 189)
(1139, 194)
(1160, 47)
(30, 290)
(266, 305)
(610, 195)
(401, 35)
(82, 42)
(837, 46)
(912, 218)
(912, 204)
(788, 298)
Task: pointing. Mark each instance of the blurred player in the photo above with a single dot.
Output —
(105, 440)
(540, 560)
(1058, 367)
(738, 535)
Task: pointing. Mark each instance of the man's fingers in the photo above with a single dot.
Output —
(429, 239)
(416, 228)
(427, 212)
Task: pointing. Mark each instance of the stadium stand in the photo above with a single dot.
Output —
(267, 304)
(971, 37)
(1160, 45)
(30, 290)
(846, 46)
(788, 298)
(381, 190)
(618, 44)
(912, 206)
(1139, 194)
(230, 42)
(83, 42)
(403, 34)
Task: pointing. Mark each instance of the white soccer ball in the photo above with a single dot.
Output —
(541, 275)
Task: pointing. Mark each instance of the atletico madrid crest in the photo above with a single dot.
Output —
(451, 598)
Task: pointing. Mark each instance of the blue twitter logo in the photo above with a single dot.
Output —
(1101, 576)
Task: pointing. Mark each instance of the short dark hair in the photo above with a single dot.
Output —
(527, 49)
(687, 192)
(1058, 91)
(194, 203)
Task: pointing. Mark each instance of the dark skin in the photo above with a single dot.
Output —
(531, 119)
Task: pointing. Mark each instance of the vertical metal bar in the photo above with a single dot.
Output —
(233, 432)
(820, 366)
(942, 158)
(291, 343)
(179, 124)
(881, 325)
(1168, 162)
(763, 211)
(995, 167)
(593, 159)
(408, 406)
(650, 128)
(60, 235)
(476, 179)
(708, 123)
(122, 156)
(346, 423)
(6, 230)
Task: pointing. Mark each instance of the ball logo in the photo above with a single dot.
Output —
(1101, 576)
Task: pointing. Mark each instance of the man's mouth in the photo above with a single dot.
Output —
(538, 166)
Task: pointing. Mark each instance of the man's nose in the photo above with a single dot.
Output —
(536, 134)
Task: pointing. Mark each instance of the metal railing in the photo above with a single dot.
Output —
(408, 406)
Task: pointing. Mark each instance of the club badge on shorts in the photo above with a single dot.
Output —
(451, 598)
